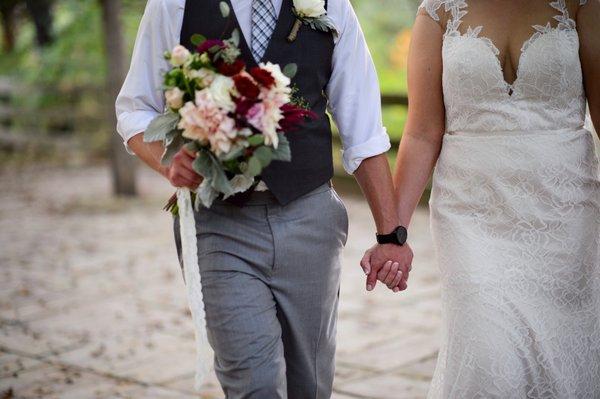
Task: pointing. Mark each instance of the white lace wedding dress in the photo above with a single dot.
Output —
(516, 218)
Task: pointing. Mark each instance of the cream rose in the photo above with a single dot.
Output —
(179, 55)
(174, 98)
(310, 8)
(220, 90)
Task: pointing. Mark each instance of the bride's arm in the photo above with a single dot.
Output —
(422, 139)
(588, 26)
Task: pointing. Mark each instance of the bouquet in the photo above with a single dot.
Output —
(232, 117)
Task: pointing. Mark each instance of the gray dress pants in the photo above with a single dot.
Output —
(270, 280)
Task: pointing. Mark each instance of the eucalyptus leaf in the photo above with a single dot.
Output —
(264, 155)
(234, 153)
(256, 140)
(290, 70)
(254, 167)
(225, 9)
(283, 151)
(197, 39)
(160, 127)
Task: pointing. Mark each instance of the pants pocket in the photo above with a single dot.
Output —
(343, 215)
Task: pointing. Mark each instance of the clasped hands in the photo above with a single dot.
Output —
(389, 263)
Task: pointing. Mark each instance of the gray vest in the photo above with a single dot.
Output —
(312, 163)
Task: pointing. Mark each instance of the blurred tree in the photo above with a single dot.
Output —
(7, 12)
(123, 165)
(41, 14)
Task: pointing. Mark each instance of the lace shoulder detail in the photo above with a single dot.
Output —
(432, 7)
(565, 22)
(564, 19)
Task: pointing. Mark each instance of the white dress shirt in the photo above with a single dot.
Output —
(353, 90)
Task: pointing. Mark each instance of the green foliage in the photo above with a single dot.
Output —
(290, 70)
(197, 39)
(283, 151)
(161, 126)
(264, 156)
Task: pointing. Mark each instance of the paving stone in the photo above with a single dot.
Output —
(385, 386)
(11, 364)
(50, 382)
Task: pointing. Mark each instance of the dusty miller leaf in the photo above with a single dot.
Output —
(172, 146)
(206, 195)
(160, 127)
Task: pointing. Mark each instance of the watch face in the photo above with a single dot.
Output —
(401, 234)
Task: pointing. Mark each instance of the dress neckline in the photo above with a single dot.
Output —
(458, 9)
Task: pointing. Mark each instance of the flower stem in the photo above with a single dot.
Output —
(295, 29)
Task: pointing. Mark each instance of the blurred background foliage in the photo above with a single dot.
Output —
(58, 88)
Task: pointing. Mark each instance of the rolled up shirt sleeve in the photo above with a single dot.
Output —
(141, 99)
(353, 91)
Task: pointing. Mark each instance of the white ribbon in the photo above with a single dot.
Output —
(193, 283)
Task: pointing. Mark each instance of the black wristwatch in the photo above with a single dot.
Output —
(398, 236)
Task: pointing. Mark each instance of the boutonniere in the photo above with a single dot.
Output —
(313, 14)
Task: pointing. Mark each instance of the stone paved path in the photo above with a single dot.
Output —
(92, 304)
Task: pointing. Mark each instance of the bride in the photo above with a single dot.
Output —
(497, 93)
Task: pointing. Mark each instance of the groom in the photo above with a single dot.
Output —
(270, 264)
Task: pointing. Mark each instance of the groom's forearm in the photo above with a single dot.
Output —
(149, 153)
(375, 179)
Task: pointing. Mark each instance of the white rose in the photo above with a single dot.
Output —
(282, 82)
(310, 8)
(179, 55)
(204, 75)
(174, 98)
(220, 89)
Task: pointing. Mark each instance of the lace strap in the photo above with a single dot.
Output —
(564, 20)
(456, 8)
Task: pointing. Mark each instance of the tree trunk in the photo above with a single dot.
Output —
(7, 12)
(123, 164)
(41, 14)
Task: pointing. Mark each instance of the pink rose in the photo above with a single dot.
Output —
(255, 115)
(200, 120)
